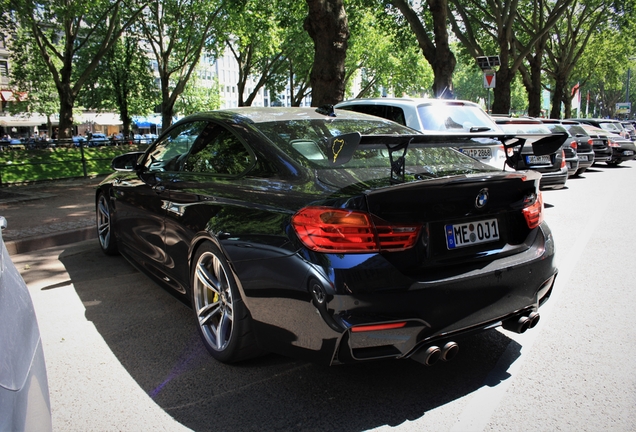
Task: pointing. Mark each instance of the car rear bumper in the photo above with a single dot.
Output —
(623, 153)
(572, 165)
(555, 179)
(586, 159)
(340, 328)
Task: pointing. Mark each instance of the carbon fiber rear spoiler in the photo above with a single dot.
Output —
(340, 149)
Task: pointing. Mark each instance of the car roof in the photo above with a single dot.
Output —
(516, 120)
(270, 114)
(407, 101)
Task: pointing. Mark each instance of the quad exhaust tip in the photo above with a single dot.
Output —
(522, 323)
(433, 354)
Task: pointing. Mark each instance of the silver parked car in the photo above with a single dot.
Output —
(24, 389)
(431, 116)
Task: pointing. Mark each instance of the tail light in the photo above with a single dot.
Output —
(533, 210)
(562, 159)
(574, 145)
(591, 142)
(325, 229)
(612, 143)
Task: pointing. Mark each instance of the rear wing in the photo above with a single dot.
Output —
(340, 149)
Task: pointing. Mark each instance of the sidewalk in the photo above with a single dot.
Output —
(48, 214)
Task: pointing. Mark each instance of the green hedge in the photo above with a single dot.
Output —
(19, 166)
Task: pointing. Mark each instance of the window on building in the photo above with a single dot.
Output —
(4, 68)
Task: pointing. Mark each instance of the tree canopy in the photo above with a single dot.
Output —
(103, 54)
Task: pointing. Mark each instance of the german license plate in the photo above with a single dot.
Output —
(472, 233)
(582, 157)
(477, 153)
(628, 153)
(538, 160)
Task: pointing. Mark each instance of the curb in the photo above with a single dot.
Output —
(16, 247)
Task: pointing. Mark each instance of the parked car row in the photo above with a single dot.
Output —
(587, 141)
(619, 135)
(100, 139)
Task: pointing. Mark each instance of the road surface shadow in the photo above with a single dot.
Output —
(154, 337)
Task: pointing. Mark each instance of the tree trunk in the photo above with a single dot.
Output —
(327, 25)
(167, 104)
(567, 102)
(437, 52)
(533, 86)
(67, 101)
(557, 98)
(444, 61)
(501, 92)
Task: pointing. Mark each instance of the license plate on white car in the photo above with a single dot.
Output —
(472, 233)
(582, 157)
(477, 153)
(538, 160)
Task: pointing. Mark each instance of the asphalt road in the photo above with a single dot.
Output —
(123, 354)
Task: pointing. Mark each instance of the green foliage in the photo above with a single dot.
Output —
(608, 80)
(63, 31)
(35, 165)
(383, 55)
(197, 97)
(29, 75)
(122, 82)
(177, 33)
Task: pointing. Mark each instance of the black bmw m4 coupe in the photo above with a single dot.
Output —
(331, 236)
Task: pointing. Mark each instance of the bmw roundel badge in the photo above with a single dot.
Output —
(482, 198)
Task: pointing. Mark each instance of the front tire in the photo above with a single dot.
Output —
(222, 318)
(104, 226)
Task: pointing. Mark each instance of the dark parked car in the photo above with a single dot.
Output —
(579, 140)
(609, 125)
(569, 146)
(600, 143)
(97, 139)
(331, 236)
(631, 131)
(24, 389)
(621, 149)
(584, 144)
(553, 169)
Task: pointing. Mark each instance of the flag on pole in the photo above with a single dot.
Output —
(576, 97)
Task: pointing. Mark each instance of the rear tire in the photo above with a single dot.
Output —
(104, 226)
(223, 320)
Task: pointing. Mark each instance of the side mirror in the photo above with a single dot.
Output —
(126, 161)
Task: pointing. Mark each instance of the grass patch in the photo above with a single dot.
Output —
(17, 166)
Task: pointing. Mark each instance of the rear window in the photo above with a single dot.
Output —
(556, 128)
(305, 140)
(611, 127)
(524, 128)
(454, 118)
(576, 130)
